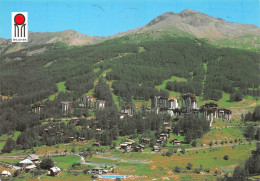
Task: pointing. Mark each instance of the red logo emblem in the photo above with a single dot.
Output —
(19, 19)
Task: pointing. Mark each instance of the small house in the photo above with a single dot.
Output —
(69, 139)
(54, 171)
(81, 139)
(6, 173)
(168, 129)
(124, 146)
(163, 136)
(176, 142)
(98, 131)
(34, 158)
(96, 144)
(97, 170)
(129, 144)
(146, 140)
(160, 142)
(139, 148)
(75, 120)
(29, 168)
(127, 110)
(166, 124)
(156, 148)
(25, 162)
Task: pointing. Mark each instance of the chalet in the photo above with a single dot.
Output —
(54, 171)
(146, 140)
(176, 142)
(36, 108)
(127, 110)
(97, 170)
(75, 120)
(156, 148)
(96, 144)
(124, 146)
(34, 158)
(48, 129)
(164, 136)
(58, 133)
(29, 168)
(122, 115)
(88, 101)
(81, 139)
(159, 142)
(139, 148)
(25, 162)
(98, 131)
(6, 173)
(69, 139)
(181, 133)
(166, 124)
(129, 144)
(168, 129)
(66, 107)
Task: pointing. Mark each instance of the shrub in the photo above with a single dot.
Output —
(177, 169)
(207, 170)
(196, 170)
(46, 163)
(189, 166)
(194, 143)
(183, 150)
(169, 153)
(226, 157)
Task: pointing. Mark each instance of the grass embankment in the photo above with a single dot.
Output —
(4, 138)
(162, 166)
(61, 88)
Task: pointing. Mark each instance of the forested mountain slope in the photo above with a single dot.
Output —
(136, 68)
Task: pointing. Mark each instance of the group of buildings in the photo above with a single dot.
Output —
(29, 164)
(189, 105)
(159, 103)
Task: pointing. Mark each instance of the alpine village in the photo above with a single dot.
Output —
(175, 99)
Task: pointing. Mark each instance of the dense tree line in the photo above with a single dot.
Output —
(192, 127)
(250, 167)
(255, 116)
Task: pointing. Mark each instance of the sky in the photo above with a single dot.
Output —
(108, 17)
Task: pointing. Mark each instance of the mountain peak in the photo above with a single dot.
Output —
(188, 11)
(160, 18)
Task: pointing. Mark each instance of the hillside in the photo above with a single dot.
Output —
(187, 23)
(69, 37)
(133, 70)
(200, 25)
(124, 72)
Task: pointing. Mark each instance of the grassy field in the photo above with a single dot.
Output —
(4, 138)
(161, 166)
(173, 78)
(223, 133)
(65, 161)
(61, 88)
